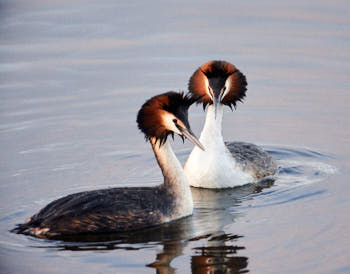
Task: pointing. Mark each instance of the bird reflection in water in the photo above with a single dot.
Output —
(212, 249)
(218, 257)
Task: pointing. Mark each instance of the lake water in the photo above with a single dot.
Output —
(73, 75)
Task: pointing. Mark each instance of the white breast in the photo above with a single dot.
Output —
(215, 167)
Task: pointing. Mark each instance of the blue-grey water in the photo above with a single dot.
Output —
(73, 75)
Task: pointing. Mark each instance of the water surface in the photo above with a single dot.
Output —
(73, 76)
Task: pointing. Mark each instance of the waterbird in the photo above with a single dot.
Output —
(129, 208)
(224, 164)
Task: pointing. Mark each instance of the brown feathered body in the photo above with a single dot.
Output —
(101, 211)
(127, 208)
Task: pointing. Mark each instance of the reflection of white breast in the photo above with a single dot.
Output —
(215, 209)
(215, 167)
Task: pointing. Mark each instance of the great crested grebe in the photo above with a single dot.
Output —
(129, 208)
(224, 164)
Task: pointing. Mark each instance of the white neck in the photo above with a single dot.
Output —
(215, 167)
(212, 130)
(175, 180)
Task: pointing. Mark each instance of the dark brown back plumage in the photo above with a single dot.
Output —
(120, 209)
(224, 70)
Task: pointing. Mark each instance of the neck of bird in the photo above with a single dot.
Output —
(175, 180)
(212, 130)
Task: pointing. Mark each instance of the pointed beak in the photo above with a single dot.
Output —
(191, 137)
(216, 100)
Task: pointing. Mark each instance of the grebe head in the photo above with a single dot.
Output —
(218, 82)
(166, 114)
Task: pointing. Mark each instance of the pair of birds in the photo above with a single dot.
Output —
(211, 164)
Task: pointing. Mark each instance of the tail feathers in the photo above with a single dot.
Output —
(21, 229)
(28, 229)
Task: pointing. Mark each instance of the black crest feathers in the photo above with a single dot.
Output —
(150, 116)
(218, 69)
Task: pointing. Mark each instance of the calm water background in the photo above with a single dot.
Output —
(72, 78)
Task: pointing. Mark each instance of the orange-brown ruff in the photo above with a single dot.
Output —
(223, 164)
(213, 69)
(150, 116)
(128, 208)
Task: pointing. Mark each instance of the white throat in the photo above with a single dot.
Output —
(215, 167)
(212, 130)
(175, 180)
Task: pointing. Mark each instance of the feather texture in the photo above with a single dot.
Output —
(127, 209)
(225, 71)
